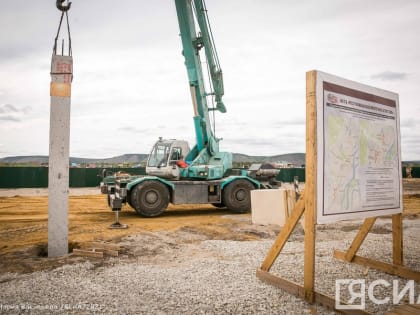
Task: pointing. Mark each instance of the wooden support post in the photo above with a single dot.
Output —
(284, 235)
(396, 268)
(392, 269)
(299, 291)
(360, 237)
(310, 188)
(291, 200)
(397, 239)
(411, 309)
(88, 253)
(285, 205)
(309, 256)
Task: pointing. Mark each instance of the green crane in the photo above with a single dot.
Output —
(176, 173)
(204, 160)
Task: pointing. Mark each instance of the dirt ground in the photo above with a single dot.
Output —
(24, 214)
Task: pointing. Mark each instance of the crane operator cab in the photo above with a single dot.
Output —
(166, 157)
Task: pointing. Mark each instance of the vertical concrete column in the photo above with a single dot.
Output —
(58, 174)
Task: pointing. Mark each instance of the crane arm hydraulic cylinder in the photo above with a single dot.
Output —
(188, 12)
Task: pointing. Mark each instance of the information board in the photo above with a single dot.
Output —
(358, 148)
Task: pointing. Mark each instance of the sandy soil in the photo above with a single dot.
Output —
(24, 214)
(4, 192)
(24, 229)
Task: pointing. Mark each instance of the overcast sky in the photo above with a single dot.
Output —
(130, 85)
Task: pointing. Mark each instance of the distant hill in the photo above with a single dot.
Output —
(413, 163)
(39, 159)
(125, 158)
(25, 159)
(136, 158)
(293, 158)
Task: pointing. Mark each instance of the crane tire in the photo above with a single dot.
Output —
(237, 195)
(129, 199)
(150, 198)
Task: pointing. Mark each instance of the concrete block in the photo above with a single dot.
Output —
(268, 206)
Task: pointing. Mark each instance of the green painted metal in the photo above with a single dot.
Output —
(190, 45)
(415, 172)
(84, 177)
(23, 177)
(198, 136)
(37, 177)
(139, 180)
(230, 179)
(207, 145)
(211, 54)
(287, 175)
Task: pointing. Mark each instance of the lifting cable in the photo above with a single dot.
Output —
(64, 11)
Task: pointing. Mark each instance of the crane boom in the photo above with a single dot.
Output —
(211, 54)
(206, 152)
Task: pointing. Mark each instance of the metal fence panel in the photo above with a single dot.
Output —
(287, 175)
(23, 177)
(37, 177)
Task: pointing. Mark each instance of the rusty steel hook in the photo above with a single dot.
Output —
(61, 7)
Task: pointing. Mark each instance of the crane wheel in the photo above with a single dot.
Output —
(129, 199)
(150, 198)
(237, 196)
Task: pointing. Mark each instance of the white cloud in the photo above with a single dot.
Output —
(11, 113)
(130, 84)
(390, 76)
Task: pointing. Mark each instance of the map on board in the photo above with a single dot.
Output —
(360, 152)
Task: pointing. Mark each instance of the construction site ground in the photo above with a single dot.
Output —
(24, 224)
(192, 259)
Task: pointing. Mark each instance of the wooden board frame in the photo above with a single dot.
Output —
(396, 267)
(307, 205)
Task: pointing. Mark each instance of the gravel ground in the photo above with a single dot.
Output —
(180, 273)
